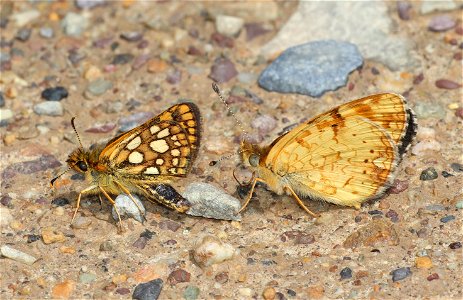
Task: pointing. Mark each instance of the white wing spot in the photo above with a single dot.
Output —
(175, 152)
(175, 161)
(173, 170)
(135, 157)
(134, 143)
(163, 133)
(159, 161)
(154, 129)
(152, 171)
(177, 144)
(174, 137)
(159, 146)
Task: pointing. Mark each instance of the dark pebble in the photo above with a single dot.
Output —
(55, 94)
(254, 30)
(458, 56)
(178, 276)
(23, 34)
(222, 277)
(223, 70)
(346, 273)
(121, 59)
(6, 200)
(78, 176)
(122, 291)
(432, 277)
(250, 261)
(268, 262)
(279, 296)
(291, 293)
(392, 215)
(447, 219)
(400, 273)
(174, 77)
(170, 242)
(32, 166)
(60, 201)
(446, 174)
(429, 174)
(170, 225)
(132, 36)
(140, 61)
(103, 42)
(459, 112)
(447, 84)
(149, 290)
(358, 219)
(140, 243)
(143, 44)
(103, 128)
(374, 71)
(147, 234)
(2, 100)
(455, 245)
(403, 8)
(192, 50)
(75, 57)
(222, 40)
(299, 237)
(418, 79)
(32, 238)
(457, 167)
(375, 212)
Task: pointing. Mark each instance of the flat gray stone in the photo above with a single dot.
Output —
(209, 201)
(312, 68)
(126, 207)
(49, 108)
(364, 23)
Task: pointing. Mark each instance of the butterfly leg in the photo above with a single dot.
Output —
(250, 193)
(168, 196)
(125, 190)
(301, 203)
(78, 200)
(114, 205)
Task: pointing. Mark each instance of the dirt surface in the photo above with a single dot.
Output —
(165, 54)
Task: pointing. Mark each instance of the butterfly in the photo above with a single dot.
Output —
(346, 156)
(143, 160)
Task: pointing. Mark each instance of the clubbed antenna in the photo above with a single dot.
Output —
(216, 89)
(74, 127)
(54, 179)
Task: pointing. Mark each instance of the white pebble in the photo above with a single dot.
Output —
(5, 114)
(17, 255)
(212, 251)
(246, 292)
(228, 25)
(421, 147)
(126, 207)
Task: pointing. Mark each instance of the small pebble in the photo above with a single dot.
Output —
(174, 76)
(170, 225)
(149, 290)
(420, 148)
(32, 237)
(6, 216)
(398, 186)
(25, 16)
(459, 204)
(446, 174)
(346, 273)
(392, 215)
(32, 166)
(140, 61)
(126, 207)
(131, 36)
(254, 30)
(455, 245)
(269, 293)
(291, 292)
(140, 243)
(457, 167)
(134, 120)
(212, 251)
(228, 25)
(447, 84)
(264, 124)
(123, 291)
(60, 201)
(99, 86)
(423, 262)
(106, 246)
(81, 223)
(46, 32)
(221, 40)
(49, 108)
(87, 278)
(441, 23)
(447, 219)
(403, 8)
(51, 235)
(23, 34)
(54, 94)
(17, 255)
(74, 24)
(429, 174)
(63, 290)
(221, 277)
(191, 292)
(101, 128)
(2, 100)
(122, 59)
(400, 274)
(432, 277)
(223, 70)
(178, 276)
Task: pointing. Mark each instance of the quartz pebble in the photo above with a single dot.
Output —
(74, 24)
(210, 250)
(17, 255)
(228, 25)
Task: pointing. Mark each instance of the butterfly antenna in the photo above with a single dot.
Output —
(74, 127)
(217, 90)
(54, 179)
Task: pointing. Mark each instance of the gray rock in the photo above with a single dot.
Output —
(428, 6)
(17, 255)
(312, 68)
(126, 207)
(211, 202)
(87, 4)
(47, 32)
(99, 86)
(74, 24)
(429, 174)
(228, 25)
(49, 108)
(149, 290)
(313, 20)
(400, 274)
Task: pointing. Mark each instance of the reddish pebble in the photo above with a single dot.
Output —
(447, 84)
(432, 277)
(104, 128)
(192, 50)
(459, 113)
(122, 291)
(351, 86)
(222, 40)
(253, 30)
(441, 23)
(403, 8)
(459, 29)
(178, 276)
(418, 79)
(223, 70)
(398, 186)
(457, 56)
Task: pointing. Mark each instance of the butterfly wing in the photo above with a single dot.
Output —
(348, 154)
(165, 145)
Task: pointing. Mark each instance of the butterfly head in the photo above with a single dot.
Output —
(78, 161)
(251, 154)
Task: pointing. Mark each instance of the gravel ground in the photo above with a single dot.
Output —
(113, 65)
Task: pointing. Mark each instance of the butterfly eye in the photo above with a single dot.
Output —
(82, 165)
(254, 160)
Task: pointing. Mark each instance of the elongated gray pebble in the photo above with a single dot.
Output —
(17, 255)
(49, 108)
